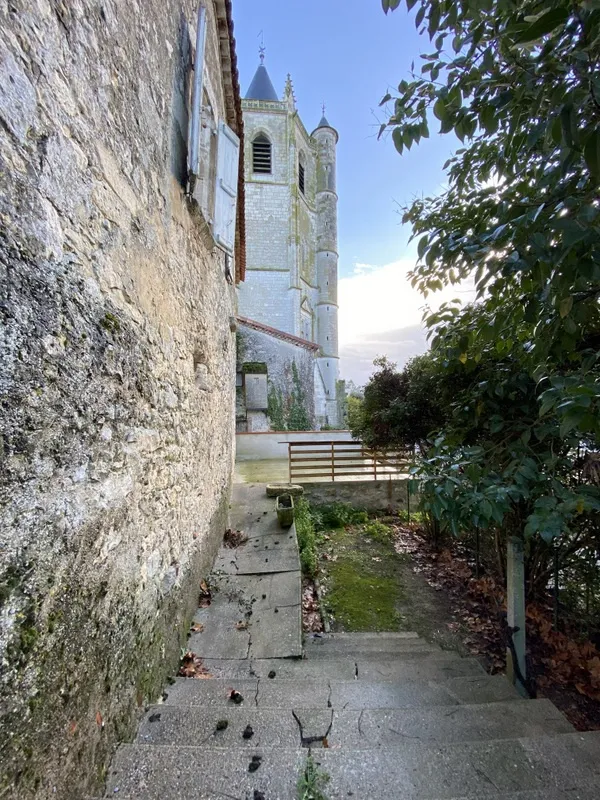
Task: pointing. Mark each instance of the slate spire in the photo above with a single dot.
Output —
(261, 87)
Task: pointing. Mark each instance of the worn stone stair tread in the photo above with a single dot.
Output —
(355, 635)
(417, 770)
(288, 693)
(147, 772)
(381, 652)
(535, 794)
(252, 562)
(425, 770)
(275, 634)
(349, 728)
(255, 609)
(367, 668)
(369, 646)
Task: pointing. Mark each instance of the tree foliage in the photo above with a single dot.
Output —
(403, 408)
(519, 84)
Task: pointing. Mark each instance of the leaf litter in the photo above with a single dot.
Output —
(565, 668)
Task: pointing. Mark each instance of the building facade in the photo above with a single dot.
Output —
(291, 238)
(117, 364)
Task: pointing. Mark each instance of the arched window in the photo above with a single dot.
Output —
(261, 154)
(306, 321)
(301, 171)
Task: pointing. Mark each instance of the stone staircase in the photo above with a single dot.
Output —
(384, 715)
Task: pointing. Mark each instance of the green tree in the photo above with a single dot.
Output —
(354, 413)
(407, 408)
(519, 84)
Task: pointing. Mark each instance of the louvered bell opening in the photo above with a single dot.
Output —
(301, 176)
(261, 155)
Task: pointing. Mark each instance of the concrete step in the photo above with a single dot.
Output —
(348, 728)
(356, 635)
(286, 693)
(380, 651)
(327, 647)
(418, 770)
(446, 665)
(544, 794)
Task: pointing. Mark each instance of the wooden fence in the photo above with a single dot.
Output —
(331, 460)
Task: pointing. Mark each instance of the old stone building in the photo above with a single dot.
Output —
(292, 262)
(121, 234)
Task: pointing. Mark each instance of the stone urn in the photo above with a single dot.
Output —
(285, 510)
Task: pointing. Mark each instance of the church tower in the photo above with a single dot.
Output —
(326, 139)
(290, 287)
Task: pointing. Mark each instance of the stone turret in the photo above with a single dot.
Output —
(326, 139)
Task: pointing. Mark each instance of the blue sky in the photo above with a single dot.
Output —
(347, 53)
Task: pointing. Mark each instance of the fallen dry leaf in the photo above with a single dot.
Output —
(233, 538)
(192, 666)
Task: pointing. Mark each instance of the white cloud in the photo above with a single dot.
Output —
(380, 314)
(362, 269)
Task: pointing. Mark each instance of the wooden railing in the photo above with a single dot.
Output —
(331, 460)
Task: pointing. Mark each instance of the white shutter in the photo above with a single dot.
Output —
(228, 153)
(196, 109)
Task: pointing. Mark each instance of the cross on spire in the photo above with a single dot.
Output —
(323, 108)
(262, 49)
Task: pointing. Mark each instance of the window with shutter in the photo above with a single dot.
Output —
(261, 154)
(228, 149)
(194, 130)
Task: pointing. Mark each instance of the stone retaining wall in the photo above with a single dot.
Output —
(370, 495)
(116, 378)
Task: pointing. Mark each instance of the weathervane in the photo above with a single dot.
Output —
(323, 107)
(262, 49)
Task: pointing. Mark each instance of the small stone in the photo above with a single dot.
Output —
(236, 697)
(154, 718)
(277, 611)
(272, 674)
(222, 724)
(248, 732)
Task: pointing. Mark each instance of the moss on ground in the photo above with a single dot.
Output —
(367, 584)
(363, 579)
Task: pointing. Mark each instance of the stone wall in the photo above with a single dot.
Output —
(116, 378)
(289, 367)
(274, 445)
(370, 495)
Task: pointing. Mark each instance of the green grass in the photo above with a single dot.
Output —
(378, 531)
(307, 537)
(312, 781)
(312, 520)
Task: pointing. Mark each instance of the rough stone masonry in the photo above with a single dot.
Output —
(116, 375)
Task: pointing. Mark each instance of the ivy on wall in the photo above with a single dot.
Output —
(289, 413)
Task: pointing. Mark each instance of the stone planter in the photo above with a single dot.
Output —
(285, 510)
